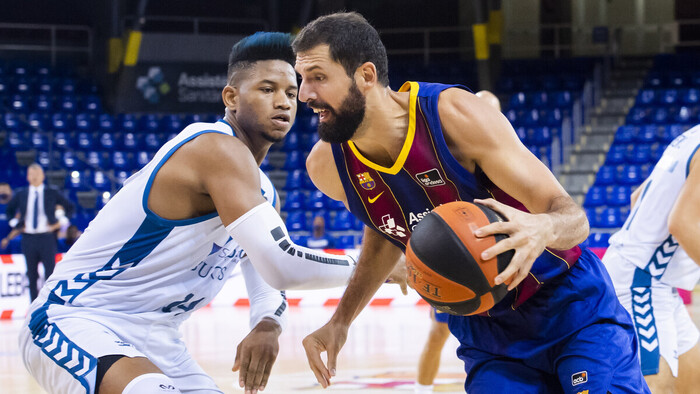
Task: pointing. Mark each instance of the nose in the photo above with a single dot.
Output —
(306, 93)
(282, 100)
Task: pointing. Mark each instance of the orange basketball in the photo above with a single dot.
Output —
(444, 259)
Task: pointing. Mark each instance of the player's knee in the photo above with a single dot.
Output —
(151, 383)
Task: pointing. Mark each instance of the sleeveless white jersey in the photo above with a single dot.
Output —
(644, 239)
(131, 261)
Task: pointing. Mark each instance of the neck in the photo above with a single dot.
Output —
(383, 131)
(257, 145)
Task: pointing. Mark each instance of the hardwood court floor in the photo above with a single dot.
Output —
(379, 357)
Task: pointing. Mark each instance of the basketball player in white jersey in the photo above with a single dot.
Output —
(654, 253)
(107, 319)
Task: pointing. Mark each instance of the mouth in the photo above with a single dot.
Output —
(323, 114)
(282, 119)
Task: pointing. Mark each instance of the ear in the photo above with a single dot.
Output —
(230, 97)
(366, 76)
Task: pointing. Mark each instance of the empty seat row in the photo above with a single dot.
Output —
(671, 96)
(617, 195)
(630, 175)
(335, 221)
(314, 200)
(45, 104)
(664, 115)
(541, 99)
(649, 134)
(634, 153)
(611, 217)
(535, 117)
(85, 141)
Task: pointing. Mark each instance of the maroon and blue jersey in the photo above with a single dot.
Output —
(425, 175)
(572, 336)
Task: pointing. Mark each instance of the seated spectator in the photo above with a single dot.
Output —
(318, 238)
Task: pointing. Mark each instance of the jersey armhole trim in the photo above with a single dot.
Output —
(687, 166)
(171, 222)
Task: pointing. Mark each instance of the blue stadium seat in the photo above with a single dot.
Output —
(307, 141)
(294, 160)
(690, 97)
(316, 200)
(153, 141)
(540, 99)
(67, 104)
(629, 175)
(684, 115)
(670, 133)
(610, 218)
(67, 86)
(539, 136)
(95, 159)
(294, 200)
(39, 141)
(45, 86)
(357, 224)
(38, 121)
(108, 141)
(297, 221)
(605, 176)
(121, 176)
(18, 140)
(149, 123)
(518, 101)
(342, 221)
(646, 97)
(19, 104)
(599, 240)
(12, 122)
(298, 239)
(334, 205)
(616, 155)
(294, 181)
(130, 141)
(106, 123)
(668, 97)
(142, 158)
(625, 134)
(91, 104)
(291, 142)
(551, 117)
(126, 123)
(638, 116)
(563, 99)
(121, 161)
(62, 140)
(100, 181)
(44, 159)
(306, 182)
(531, 118)
(514, 116)
(639, 154)
(345, 242)
(660, 115)
(75, 180)
(43, 104)
(60, 122)
(594, 197)
(618, 195)
(85, 141)
(647, 134)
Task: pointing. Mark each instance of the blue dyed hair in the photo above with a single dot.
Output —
(260, 46)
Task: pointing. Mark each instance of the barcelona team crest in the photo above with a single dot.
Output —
(366, 181)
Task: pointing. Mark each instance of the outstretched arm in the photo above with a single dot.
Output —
(684, 220)
(229, 175)
(377, 259)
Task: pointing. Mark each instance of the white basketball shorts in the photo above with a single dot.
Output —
(664, 327)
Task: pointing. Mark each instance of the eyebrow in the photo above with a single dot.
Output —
(312, 68)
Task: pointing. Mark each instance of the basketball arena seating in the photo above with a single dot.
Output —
(667, 105)
(55, 117)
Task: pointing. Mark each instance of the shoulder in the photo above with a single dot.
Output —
(216, 149)
(320, 164)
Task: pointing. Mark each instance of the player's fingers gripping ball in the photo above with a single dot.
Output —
(444, 263)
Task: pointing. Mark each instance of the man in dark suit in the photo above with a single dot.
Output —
(35, 211)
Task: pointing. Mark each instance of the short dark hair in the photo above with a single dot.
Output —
(260, 46)
(352, 41)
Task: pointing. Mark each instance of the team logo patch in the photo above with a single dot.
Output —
(583, 392)
(430, 178)
(366, 181)
(579, 378)
(390, 227)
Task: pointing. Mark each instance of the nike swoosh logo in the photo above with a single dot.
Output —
(372, 200)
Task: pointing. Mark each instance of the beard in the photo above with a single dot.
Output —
(344, 122)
